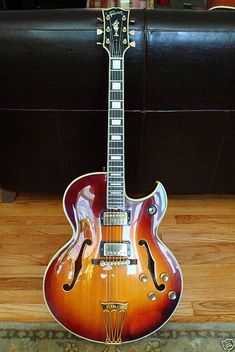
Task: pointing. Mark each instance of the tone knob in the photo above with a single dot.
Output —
(172, 295)
(143, 278)
(164, 277)
(152, 296)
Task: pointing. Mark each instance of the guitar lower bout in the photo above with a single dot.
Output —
(114, 281)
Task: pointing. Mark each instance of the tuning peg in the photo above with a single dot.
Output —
(132, 21)
(99, 43)
(99, 31)
(132, 44)
(132, 32)
(99, 19)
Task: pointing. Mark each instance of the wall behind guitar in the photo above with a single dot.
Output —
(179, 100)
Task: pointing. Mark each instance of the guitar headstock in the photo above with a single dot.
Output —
(115, 31)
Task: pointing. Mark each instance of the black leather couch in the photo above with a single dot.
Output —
(180, 100)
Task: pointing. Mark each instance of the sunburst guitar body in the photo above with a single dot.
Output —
(114, 281)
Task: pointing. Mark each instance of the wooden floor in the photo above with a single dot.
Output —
(200, 230)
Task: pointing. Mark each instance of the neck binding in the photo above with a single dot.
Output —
(115, 152)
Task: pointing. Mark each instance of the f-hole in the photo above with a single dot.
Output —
(151, 266)
(78, 266)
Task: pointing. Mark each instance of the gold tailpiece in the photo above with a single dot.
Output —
(114, 314)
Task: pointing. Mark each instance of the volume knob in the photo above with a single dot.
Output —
(143, 278)
(152, 296)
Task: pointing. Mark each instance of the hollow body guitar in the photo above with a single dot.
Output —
(114, 281)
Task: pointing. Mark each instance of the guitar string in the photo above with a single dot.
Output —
(123, 139)
(109, 177)
(115, 75)
(114, 164)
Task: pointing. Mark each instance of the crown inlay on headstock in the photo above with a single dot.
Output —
(116, 31)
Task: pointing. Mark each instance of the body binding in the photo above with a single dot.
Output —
(76, 288)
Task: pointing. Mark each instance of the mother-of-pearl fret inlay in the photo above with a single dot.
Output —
(116, 122)
(115, 160)
(116, 86)
(116, 64)
(115, 157)
(115, 137)
(116, 105)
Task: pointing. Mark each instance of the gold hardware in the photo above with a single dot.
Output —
(114, 314)
(107, 41)
(172, 295)
(99, 31)
(100, 19)
(107, 17)
(152, 296)
(164, 277)
(124, 29)
(124, 17)
(115, 218)
(124, 41)
(132, 21)
(143, 278)
(108, 29)
(132, 44)
(132, 32)
(99, 43)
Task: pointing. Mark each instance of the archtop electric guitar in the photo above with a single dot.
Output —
(114, 281)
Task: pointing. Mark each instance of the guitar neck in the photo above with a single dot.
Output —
(115, 145)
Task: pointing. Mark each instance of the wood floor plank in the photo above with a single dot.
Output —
(214, 308)
(12, 271)
(205, 253)
(20, 283)
(202, 318)
(209, 282)
(25, 259)
(24, 313)
(200, 231)
(205, 219)
(195, 234)
(16, 297)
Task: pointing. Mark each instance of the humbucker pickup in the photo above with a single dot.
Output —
(115, 218)
(115, 249)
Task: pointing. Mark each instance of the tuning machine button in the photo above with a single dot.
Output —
(132, 21)
(99, 19)
(99, 31)
(172, 295)
(152, 209)
(99, 43)
(152, 296)
(143, 278)
(132, 32)
(132, 44)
